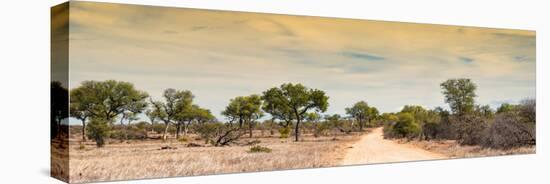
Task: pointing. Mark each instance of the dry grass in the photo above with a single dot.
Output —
(145, 159)
(454, 150)
(59, 164)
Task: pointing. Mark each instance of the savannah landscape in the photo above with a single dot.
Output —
(182, 139)
(148, 92)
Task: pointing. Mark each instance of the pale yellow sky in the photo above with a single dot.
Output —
(219, 55)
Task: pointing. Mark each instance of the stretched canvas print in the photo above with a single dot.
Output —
(147, 92)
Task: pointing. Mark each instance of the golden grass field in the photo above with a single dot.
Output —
(144, 159)
(140, 159)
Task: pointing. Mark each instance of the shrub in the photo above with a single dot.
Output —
(285, 132)
(253, 142)
(470, 129)
(118, 134)
(98, 130)
(430, 130)
(528, 109)
(207, 131)
(508, 131)
(143, 126)
(259, 149)
(128, 133)
(321, 129)
(81, 146)
(183, 139)
(218, 134)
(445, 129)
(158, 127)
(406, 126)
(388, 120)
(226, 134)
(388, 130)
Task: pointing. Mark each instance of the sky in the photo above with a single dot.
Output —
(219, 55)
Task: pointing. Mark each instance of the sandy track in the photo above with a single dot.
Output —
(373, 148)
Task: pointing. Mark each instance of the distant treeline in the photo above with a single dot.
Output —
(294, 109)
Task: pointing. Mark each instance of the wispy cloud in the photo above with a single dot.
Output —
(466, 60)
(361, 55)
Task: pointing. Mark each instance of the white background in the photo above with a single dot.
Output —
(24, 94)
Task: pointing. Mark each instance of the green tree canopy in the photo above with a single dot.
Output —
(245, 110)
(459, 94)
(104, 101)
(292, 101)
(203, 115)
(108, 99)
(175, 101)
(362, 113)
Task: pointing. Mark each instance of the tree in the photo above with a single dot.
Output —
(277, 109)
(186, 116)
(506, 107)
(106, 100)
(484, 111)
(418, 112)
(59, 107)
(175, 102)
(335, 121)
(153, 116)
(110, 98)
(293, 101)
(245, 109)
(203, 115)
(459, 94)
(362, 113)
(183, 118)
(81, 114)
(80, 107)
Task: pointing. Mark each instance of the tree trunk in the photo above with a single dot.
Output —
(186, 128)
(84, 130)
(121, 119)
(271, 132)
(297, 130)
(165, 132)
(250, 129)
(58, 126)
(178, 130)
(360, 125)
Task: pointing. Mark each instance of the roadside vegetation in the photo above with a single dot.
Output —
(509, 126)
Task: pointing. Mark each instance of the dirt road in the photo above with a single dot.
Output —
(373, 148)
